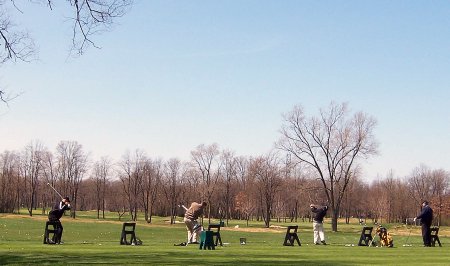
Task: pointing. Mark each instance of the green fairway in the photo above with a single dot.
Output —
(88, 241)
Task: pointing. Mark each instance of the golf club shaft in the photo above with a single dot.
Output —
(410, 229)
(55, 190)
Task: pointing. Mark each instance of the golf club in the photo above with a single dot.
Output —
(55, 190)
(373, 237)
(410, 229)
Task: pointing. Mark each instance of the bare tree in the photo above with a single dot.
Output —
(72, 166)
(245, 204)
(116, 196)
(205, 158)
(268, 174)
(9, 186)
(101, 173)
(88, 18)
(152, 176)
(331, 144)
(31, 168)
(16, 44)
(173, 174)
(131, 176)
(420, 184)
(229, 174)
(50, 176)
(440, 184)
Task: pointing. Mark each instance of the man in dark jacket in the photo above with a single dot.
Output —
(319, 213)
(55, 214)
(426, 217)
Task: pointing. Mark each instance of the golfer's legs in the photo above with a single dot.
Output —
(316, 226)
(189, 226)
(426, 235)
(196, 232)
(321, 232)
(60, 232)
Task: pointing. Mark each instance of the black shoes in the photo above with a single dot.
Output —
(323, 242)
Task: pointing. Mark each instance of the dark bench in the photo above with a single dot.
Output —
(128, 229)
(215, 229)
(53, 230)
(206, 240)
(366, 236)
(435, 237)
(291, 236)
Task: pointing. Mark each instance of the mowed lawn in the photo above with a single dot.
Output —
(91, 241)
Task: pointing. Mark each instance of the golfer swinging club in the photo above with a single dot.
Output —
(55, 214)
(190, 219)
(319, 213)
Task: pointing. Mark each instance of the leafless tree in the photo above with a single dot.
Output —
(229, 174)
(242, 176)
(88, 18)
(330, 143)
(9, 187)
(355, 202)
(15, 44)
(440, 185)
(31, 170)
(268, 175)
(245, 203)
(153, 172)
(50, 176)
(117, 196)
(206, 160)
(420, 185)
(173, 173)
(131, 175)
(101, 173)
(72, 166)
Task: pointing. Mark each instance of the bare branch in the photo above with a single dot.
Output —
(92, 17)
(17, 45)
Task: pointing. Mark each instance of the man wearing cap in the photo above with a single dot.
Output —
(55, 214)
(190, 219)
(426, 217)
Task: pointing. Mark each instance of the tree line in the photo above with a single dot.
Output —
(316, 160)
(267, 187)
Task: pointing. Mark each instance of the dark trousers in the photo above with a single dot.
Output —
(59, 231)
(426, 235)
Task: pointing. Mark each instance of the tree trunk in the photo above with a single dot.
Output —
(334, 219)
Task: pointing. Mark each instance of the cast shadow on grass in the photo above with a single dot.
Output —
(166, 259)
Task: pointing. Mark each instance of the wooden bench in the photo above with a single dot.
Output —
(291, 236)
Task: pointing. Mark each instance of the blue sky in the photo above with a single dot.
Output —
(175, 74)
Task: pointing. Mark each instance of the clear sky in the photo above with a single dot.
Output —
(175, 74)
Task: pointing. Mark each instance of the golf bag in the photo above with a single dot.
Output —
(385, 238)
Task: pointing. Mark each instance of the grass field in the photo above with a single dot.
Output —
(90, 241)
